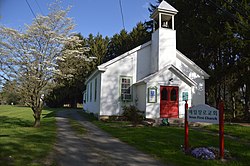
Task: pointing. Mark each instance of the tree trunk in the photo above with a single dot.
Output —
(73, 101)
(37, 116)
(246, 107)
(218, 93)
(233, 105)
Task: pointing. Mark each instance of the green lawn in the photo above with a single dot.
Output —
(20, 143)
(241, 132)
(165, 143)
(77, 127)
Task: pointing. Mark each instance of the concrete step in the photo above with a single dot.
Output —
(158, 121)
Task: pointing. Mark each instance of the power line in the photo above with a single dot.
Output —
(241, 6)
(34, 17)
(30, 8)
(32, 12)
(235, 8)
(120, 2)
(228, 13)
(39, 7)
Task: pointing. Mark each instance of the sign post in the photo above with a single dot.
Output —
(207, 114)
(186, 127)
(221, 132)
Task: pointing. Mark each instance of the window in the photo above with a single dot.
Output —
(126, 92)
(173, 95)
(164, 94)
(90, 92)
(95, 90)
(84, 96)
(87, 93)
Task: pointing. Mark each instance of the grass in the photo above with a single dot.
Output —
(77, 127)
(20, 143)
(165, 143)
(241, 132)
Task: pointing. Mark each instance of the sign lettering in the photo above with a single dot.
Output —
(203, 113)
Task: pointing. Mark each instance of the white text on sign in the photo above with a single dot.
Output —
(203, 113)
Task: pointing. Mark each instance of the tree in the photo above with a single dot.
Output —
(30, 56)
(118, 44)
(124, 41)
(98, 48)
(9, 93)
(73, 66)
(239, 44)
(139, 35)
(76, 69)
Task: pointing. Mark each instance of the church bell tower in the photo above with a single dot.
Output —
(163, 37)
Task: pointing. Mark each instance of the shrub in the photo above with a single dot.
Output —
(133, 114)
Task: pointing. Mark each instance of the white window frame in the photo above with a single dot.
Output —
(84, 96)
(95, 92)
(90, 93)
(87, 94)
(124, 95)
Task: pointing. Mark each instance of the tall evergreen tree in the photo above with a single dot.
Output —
(124, 41)
(98, 47)
(75, 69)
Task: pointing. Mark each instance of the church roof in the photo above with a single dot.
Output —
(174, 70)
(106, 64)
(166, 6)
(191, 64)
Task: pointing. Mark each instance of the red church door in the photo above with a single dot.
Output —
(169, 102)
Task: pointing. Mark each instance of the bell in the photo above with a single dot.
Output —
(165, 24)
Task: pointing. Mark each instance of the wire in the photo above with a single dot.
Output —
(33, 12)
(241, 12)
(30, 8)
(35, 18)
(39, 7)
(230, 14)
(122, 14)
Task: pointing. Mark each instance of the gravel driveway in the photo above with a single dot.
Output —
(94, 148)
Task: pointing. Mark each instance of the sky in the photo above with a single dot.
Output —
(90, 16)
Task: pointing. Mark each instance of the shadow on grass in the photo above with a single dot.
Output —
(22, 145)
(6, 121)
(49, 115)
(24, 148)
(88, 116)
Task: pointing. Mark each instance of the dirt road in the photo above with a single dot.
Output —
(96, 148)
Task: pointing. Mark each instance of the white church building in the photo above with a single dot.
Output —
(155, 77)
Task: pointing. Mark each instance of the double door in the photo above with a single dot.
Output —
(169, 102)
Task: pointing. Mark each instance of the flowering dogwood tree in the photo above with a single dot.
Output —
(29, 57)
